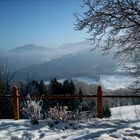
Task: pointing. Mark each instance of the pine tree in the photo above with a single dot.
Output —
(72, 88)
(42, 88)
(66, 87)
(56, 87)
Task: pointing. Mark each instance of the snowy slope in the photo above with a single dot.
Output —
(115, 128)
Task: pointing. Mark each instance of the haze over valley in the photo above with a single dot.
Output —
(66, 61)
(69, 61)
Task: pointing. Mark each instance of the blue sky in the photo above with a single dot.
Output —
(47, 23)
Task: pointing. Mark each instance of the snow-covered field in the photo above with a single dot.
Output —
(123, 125)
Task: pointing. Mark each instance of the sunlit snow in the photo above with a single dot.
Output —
(123, 125)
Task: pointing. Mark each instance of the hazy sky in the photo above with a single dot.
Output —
(43, 22)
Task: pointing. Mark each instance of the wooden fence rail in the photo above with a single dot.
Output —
(99, 97)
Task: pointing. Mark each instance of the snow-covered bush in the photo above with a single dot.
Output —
(58, 113)
(61, 113)
(32, 109)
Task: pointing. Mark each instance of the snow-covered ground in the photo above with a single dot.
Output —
(123, 125)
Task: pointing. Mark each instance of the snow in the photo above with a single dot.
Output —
(126, 112)
(123, 125)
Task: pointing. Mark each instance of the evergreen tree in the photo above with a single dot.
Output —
(42, 88)
(56, 87)
(72, 88)
(66, 87)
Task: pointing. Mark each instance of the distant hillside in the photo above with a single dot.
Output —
(81, 63)
(29, 55)
(72, 48)
(66, 61)
(29, 48)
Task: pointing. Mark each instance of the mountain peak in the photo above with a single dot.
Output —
(30, 45)
(29, 48)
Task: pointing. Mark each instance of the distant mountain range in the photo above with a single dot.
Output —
(28, 55)
(42, 63)
(31, 54)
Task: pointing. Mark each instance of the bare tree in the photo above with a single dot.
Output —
(134, 71)
(113, 24)
(4, 75)
(5, 82)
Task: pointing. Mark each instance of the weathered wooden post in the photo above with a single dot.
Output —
(16, 103)
(99, 103)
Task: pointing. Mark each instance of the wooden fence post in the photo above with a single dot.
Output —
(16, 103)
(99, 103)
